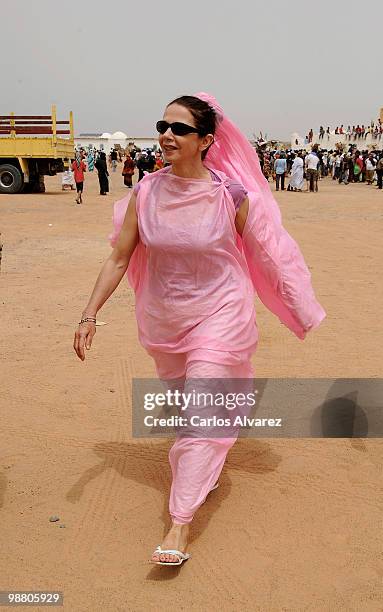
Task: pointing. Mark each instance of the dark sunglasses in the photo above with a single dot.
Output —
(178, 128)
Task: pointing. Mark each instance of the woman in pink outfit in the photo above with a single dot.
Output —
(197, 239)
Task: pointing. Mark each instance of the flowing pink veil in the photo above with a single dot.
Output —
(276, 265)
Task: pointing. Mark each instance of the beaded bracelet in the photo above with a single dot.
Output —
(86, 319)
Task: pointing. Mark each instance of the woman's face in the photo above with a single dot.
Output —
(182, 148)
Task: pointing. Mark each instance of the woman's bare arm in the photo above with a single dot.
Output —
(109, 278)
(241, 216)
(116, 265)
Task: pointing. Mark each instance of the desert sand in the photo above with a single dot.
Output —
(296, 523)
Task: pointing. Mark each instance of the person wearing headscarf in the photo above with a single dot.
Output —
(266, 168)
(297, 180)
(103, 173)
(197, 239)
(128, 171)
(90, 160)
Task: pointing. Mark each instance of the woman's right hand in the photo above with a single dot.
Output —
(108, 279)
(83, 338)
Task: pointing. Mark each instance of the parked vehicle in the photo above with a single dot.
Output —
(31, 147)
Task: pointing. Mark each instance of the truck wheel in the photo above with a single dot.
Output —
(37, 185)
(11, 179)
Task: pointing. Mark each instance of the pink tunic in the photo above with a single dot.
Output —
(195, 292)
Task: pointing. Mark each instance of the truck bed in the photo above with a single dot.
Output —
(40, 147)
(36, 136)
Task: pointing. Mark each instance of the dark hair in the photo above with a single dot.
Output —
(203, 114)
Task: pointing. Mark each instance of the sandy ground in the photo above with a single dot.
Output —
(295, 525)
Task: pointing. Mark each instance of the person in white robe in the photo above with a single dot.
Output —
(296, 181)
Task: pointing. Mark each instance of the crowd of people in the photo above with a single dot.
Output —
(145, 161)
(354, 133)
(351, 166)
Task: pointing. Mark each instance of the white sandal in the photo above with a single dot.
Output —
(181, 556)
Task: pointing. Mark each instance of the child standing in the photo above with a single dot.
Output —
(78, 168)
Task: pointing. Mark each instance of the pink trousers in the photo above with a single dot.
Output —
(197, 462)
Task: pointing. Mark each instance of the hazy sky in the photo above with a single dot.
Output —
(273, 66)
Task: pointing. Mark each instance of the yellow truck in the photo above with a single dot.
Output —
(31, 147)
